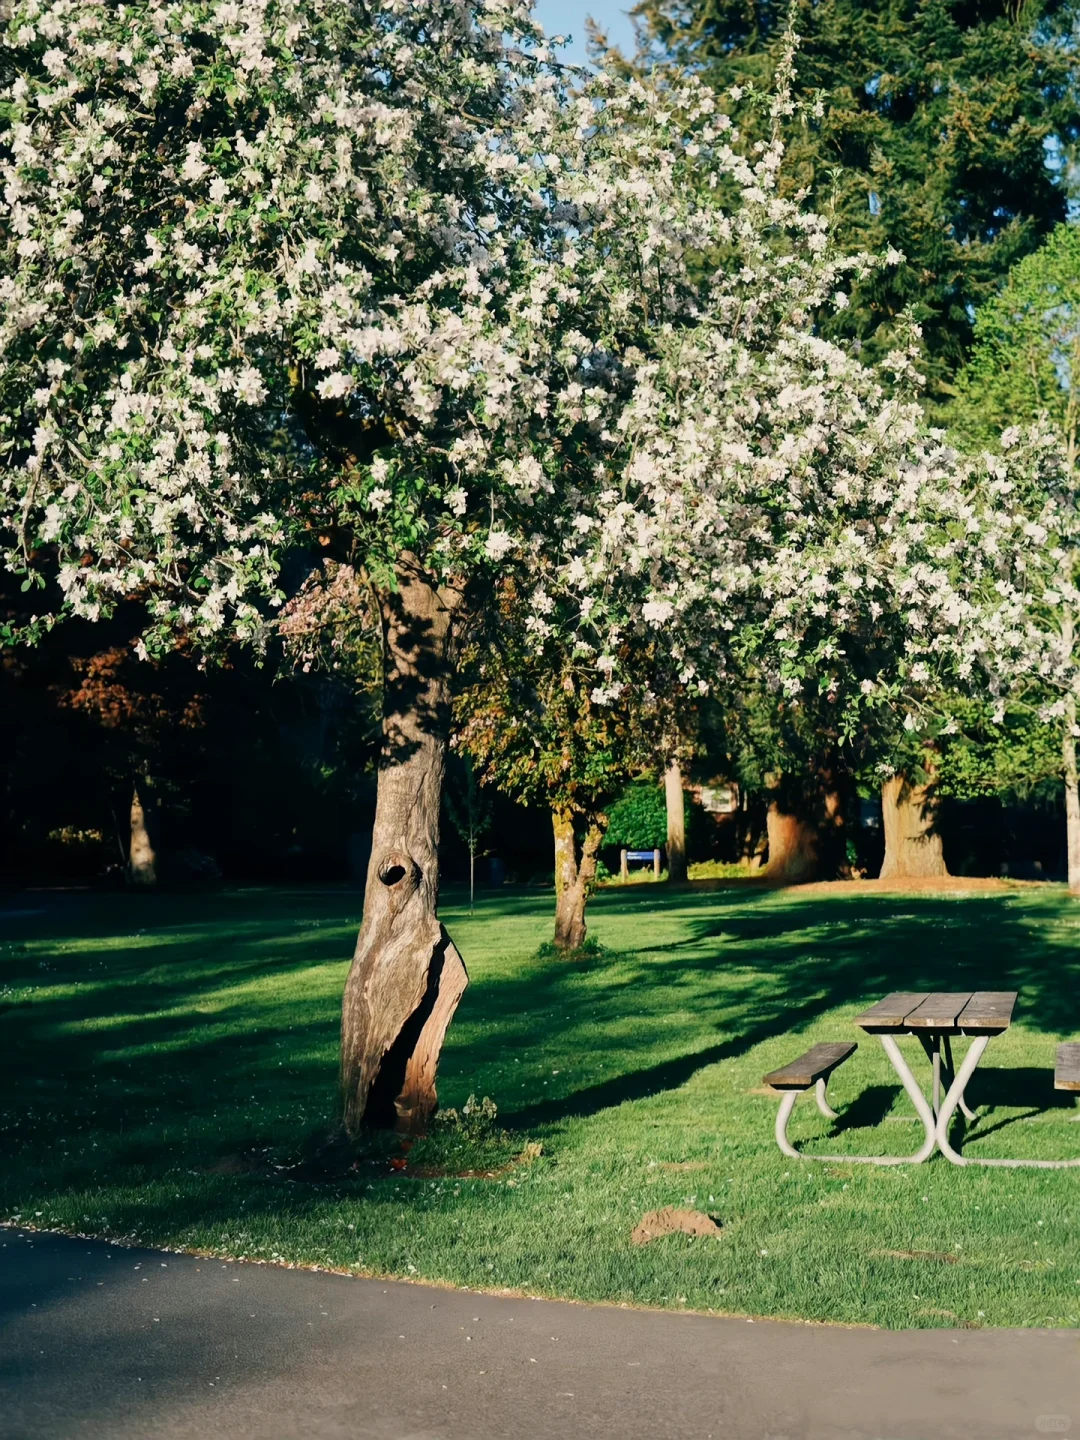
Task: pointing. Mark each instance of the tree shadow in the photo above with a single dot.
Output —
(167, 1044)
(651, 1079)
(1018, 1087)
(806, 958)
(153, 1037)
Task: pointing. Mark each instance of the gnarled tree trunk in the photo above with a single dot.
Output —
(676, 824)
(142, 858)
(406, 977)
(574, 877)
(913, 847)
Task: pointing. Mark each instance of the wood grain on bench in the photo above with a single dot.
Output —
(939, 1010)
(891, 1012)
(818, 1061)
(988, 1010)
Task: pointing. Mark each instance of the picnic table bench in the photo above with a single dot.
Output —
(811, 1069)
(934, 1018)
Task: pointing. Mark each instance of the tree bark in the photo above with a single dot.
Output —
(142, 858)
(1072, 796)
(676, 824)
(574, 877)
(406, 977)
(913, 847)
(793, 847)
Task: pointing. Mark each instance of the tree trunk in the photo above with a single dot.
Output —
(142, 858)
(407, 976)
(793, 847)
(832, 851)
(912, 845)
(676, 824)
(1072, 796)
(574, 879)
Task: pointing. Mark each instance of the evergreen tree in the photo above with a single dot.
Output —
(1026, 357)
(936, 124)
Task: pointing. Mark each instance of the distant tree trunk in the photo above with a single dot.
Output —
(793, 847)
(833, 852)
(676, 824)
(1072, 796)
(142, 858)
(913, 847)
(753, 838)
(407, 976)
(574, 877)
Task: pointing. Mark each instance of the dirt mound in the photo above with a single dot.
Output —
(670, 1221)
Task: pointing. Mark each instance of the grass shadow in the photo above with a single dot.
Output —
(869, 1109)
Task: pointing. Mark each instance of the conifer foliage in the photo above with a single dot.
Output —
(936, 123)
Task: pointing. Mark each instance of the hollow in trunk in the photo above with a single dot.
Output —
(407, 976)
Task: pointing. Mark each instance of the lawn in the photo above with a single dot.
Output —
(168, 1073)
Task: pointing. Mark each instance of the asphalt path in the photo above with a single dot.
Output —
(101, 1341)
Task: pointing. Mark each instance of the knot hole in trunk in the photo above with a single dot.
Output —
(399, 873)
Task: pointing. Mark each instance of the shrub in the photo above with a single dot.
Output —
(638, 819)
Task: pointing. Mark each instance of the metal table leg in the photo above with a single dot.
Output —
(968, 1114)
(948, 1109)
(918, 1099)
(932, 1043)
(936, 1067)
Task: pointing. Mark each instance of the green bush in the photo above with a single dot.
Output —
(638, 819)
(719, 870)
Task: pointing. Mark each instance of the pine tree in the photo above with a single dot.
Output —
(945, 131)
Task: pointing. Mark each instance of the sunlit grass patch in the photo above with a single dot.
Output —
(169, 1069)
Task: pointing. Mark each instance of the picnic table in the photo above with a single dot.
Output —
(934, 1018)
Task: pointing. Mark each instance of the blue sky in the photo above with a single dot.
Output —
(567, 17)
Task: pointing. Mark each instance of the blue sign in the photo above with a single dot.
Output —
(639, 854)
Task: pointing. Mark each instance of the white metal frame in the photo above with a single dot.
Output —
(948, 1109)
(918, 1099)
(936, 1116)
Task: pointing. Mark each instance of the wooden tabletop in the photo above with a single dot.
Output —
(957, 1012)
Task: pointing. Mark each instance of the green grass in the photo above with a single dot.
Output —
(161, 1056)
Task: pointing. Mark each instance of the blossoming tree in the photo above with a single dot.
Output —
(281, 280)
(994, 595)
(780, 491)
(288, 280)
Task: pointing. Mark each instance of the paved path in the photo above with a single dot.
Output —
(98, 1341)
